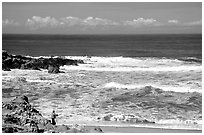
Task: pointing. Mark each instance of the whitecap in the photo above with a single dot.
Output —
(29, 80)
(134, 69)
(138, 86)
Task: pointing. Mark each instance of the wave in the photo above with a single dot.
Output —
(121, 86)
(128, 64)
(134, 69)
(46, 81)
(191, 59)
(136, 86)
(143, 62)
(124, 59)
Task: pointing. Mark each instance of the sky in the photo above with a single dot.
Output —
(101, 17)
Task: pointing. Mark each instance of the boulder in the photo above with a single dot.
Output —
(97, 130)
(7, 62)
(16, 63)
(53, 69)
(11, 119)
(4, 54)
(5, 67)
(33, 65)
(41, 128)
(108, 117)
(11, 129)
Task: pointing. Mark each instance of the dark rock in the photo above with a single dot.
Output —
(53, 69)
(4, 54)
(10, 119)
(5, 68)
(11, 129)
(107, 117)
(41, 128)
(25, 98)
(80, 61)
(20, 100)
(22, 62)
(16, 63)
(7, 63)
(98, 130)
(19, 116)
(33, 65)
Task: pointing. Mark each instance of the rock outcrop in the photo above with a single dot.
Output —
(22, 62)
(53, 69)
(19, 116)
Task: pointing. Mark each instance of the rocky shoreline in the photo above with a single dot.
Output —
(19, 116)
(22, 62)
(77, 98)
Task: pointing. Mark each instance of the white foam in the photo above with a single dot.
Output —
(8, 76)
(129, 64)
(129, 69)
(122, 64)
(138, 86)
(121, 86)
(170, 121)
(28, 80)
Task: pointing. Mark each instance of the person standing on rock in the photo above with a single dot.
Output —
(53, 117)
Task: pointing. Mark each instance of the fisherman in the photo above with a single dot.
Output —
(53, 117)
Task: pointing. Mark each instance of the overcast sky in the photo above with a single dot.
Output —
(102, 18)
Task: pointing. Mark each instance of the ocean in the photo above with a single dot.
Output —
(170, 46)
(114, 65)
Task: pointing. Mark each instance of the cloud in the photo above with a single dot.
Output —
(8, 22)
(173, 21)
(94, 23)
(70, 21)
(143, 22)
(177, 23)
(194, 23)
(39, 22)
(91, 21)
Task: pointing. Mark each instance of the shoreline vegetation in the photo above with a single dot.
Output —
(185, 107)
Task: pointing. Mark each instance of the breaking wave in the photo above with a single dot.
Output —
(133, 64)
(138, 86)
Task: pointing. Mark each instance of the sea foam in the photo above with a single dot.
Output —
(139, 86)
(130, 69)
(122, 64)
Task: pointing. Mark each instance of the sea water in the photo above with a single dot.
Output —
(116, 62)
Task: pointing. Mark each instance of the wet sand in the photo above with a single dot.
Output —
(115, 129)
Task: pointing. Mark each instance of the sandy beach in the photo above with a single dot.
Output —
(116, 129)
